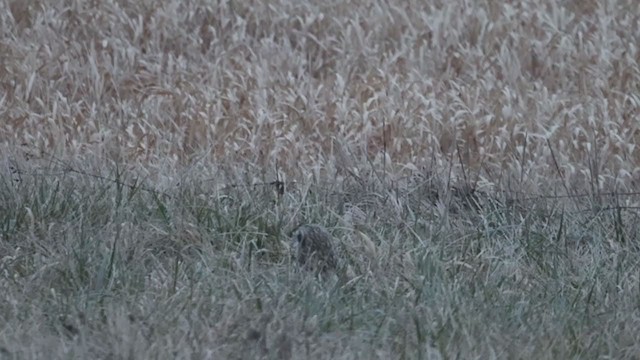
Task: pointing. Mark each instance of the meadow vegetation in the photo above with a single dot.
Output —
(475, 162)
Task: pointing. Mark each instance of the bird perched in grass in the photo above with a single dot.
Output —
(313, 248)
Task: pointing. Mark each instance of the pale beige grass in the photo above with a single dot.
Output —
(274, 82)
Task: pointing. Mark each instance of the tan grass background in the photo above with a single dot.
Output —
(500, 87)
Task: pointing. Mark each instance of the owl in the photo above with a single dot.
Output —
(313, 249)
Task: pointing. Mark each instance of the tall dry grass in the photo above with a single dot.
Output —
(505, 84)
(157, 152)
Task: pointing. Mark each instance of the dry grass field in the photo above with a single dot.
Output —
(476, 163)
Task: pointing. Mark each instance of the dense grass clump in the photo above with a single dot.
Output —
(114, 269)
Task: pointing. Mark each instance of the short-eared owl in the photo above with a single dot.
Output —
(313, 248)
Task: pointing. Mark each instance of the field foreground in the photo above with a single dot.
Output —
(475, 162)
